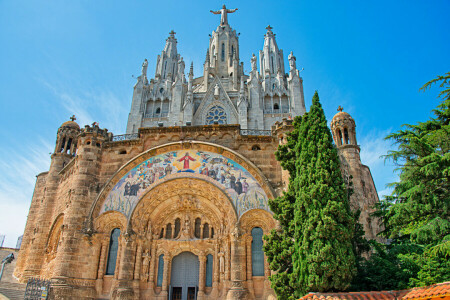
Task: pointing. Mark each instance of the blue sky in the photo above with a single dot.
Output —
(59, 58)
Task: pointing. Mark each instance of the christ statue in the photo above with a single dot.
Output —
(223, 12)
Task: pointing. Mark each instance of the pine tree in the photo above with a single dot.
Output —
(312, 250)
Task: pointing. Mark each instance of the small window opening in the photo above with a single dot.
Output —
(158, 111)
(273, 66)
(161, 235)
(177, 227)
(340, 137)
(206, 231)
(69, 144)
(161, 90)
(88, 142)
(169, 231)
(276, 106)
(197, 228)
(223, 52)
(123, 152)
(62, 145)
(98, 145)
(346, 136)
(212, 232)
(256, 148)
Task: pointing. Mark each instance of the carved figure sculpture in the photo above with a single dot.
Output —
(223, 14)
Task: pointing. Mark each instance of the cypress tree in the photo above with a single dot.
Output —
(312, 250)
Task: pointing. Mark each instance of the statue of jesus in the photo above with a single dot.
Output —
(223, 12)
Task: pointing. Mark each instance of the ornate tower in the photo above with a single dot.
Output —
(364, 194)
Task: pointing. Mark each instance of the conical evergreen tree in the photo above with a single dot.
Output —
(312, 251)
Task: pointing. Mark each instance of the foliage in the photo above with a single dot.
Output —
(312, 250)
(416, 216)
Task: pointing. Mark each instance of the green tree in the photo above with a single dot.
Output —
(416, 216)
(312, 250)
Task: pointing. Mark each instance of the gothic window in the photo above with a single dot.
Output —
(223, 52)
(169, 231)
(113, 249)
(63, 144)
(256, 148)
(161, 90)
(273, 66)
(69, 144)
(197, 228)
(161, 235)
(276, 106)
(216, 114)
(206, 231)
(209, 270)
(340, 136)
(158, 111)
(346, 136)
(212, 232)
(177, 227)
(165, 67)
(257, 252)
(160, 270)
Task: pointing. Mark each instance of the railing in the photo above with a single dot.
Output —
(161, 115)
(37, 289)
(276, 111)
(256, 132)
(125, 137)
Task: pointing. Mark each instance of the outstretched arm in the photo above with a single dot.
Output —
(231, 10)
(215, 12)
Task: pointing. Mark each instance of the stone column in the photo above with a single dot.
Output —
(237, 290)
(201, 231)
(137, 267)
(101, 266)
(249, 240)
(165, 282)
(201, 276)
(216, 269)
(124, 289)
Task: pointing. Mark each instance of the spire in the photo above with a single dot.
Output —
(271, 58)
(191, 77)
(191, 70)
(167, 63)
(171, 45)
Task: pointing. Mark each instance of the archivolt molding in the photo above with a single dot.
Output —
(256, 218)
(181, 145)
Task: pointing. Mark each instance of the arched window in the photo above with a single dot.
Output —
(346, 136)
(276, 106)
(165, 67)
(160, 270)
(113, 249)
(69, 143)
(257, 252)
(177, 227)
(223, 52)
(206, 231)
(232, 50)
(63, 144)
(212, 232)
(209, 270)
(197, 228)
(169, 231)
(340, 136)
(158, 111)
(161, 235)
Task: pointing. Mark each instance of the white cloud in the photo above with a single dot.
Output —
(373, 146)
(18, 169)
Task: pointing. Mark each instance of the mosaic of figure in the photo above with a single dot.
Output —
(243, 188)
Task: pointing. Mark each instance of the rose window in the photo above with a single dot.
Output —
(216, 114)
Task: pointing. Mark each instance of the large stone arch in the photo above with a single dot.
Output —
(176, 197)
(115, 189)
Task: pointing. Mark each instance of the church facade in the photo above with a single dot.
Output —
(177, 207)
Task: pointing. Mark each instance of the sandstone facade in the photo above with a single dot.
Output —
(177, 208)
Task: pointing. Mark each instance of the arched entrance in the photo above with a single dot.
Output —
(184, 277)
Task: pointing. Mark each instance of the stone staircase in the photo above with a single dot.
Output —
(12, 291)
(9, 287)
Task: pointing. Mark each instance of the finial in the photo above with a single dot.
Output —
(73, 118)
(191, 69)
(172, 33)
(269, 28)
(340, 109)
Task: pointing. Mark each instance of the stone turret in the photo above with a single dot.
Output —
(364, 194)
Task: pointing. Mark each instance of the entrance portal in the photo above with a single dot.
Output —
(184, 277)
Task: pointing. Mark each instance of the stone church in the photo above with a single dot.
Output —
(176, 208)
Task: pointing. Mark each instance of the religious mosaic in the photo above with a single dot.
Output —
(243, 188)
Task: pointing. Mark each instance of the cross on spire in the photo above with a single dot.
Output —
(269, 28)
(172, 33)
(340, 109)
(73, 118)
